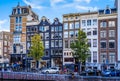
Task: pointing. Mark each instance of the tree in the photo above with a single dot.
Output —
(37, 48)
(80, 48)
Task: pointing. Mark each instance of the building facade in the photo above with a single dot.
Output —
(118, 9)
(51, 35)
(71, 26)
(89, 24)
(21, 17)
(107, 37)
(56, 30)
(4, 47)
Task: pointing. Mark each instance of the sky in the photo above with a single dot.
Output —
(50, 8)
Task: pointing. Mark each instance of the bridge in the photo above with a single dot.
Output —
(26, 76)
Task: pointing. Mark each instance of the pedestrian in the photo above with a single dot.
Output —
(76, 70)
(65, 70)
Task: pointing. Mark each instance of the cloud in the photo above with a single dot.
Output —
(32, 4)
(78, 7)
(61, 4)
(87, 1)
(3, 21)
(4, 25)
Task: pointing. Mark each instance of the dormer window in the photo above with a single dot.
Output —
(107, 11)
(18, 10)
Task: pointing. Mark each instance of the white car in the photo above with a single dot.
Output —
(52, 70)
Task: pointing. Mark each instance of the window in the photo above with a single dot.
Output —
(89, 42)
(56, 43)
(5, 49)
(56, 22)
(18, 10)
(77, 25)
(5, 43)
(76, 33)
(52, 43)
(17, 39)
(89, 58)
(103, 44)
(60, 43)
(71, 25)
(95, 31)
(52, 52)
(111, 33)
(66, 34)
(76, 17)
(65, 26)
(41, 28)
(18, 28)
(103, 24)
(28, 29)
(56, 28)
(94, 42)
(111, 57)
(103, 34)
(46, 44)
(111, 23)
(46, 35)
(107, 11)
(28, 45)
(88, 31)
(52, 35)
(64, 53)
(71, 34)
(88, 22)
(56, 36)
(60, 35)
(111, 43)
(65, 19)
(60, 28)
(94, 22)
(46, 53)
(68, 59)
(94, 56)
(66, 43)
(83, 23)
(103, 58)
(41, 34)
(46, 28)
(52, 28)
(16, 19)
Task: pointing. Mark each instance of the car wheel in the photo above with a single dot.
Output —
(110, 75)
(57, 72)
(47, 72)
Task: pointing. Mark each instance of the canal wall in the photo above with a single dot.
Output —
(52, 77)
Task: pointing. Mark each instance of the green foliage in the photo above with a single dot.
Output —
(37, 48)
(80, 47)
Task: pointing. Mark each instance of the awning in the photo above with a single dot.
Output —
(45, 58)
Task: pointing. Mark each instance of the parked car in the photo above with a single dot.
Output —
(115, 73)
(53, 70)
(106, 73)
